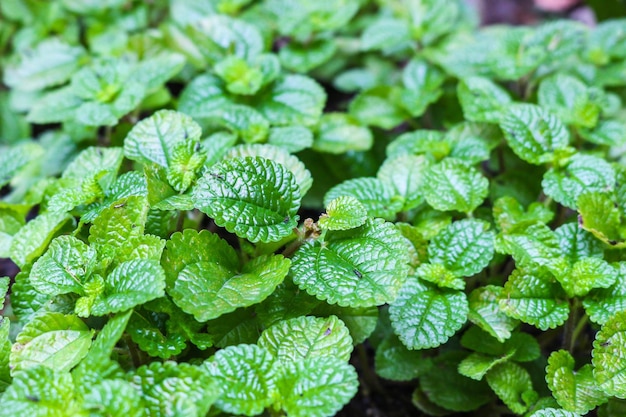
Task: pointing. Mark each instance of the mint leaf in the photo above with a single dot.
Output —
(395, 362)
(464, 248)
(114, 398)
(343, 213)
(294, 99)
(513, 386)
(583, 174)
(553, 412)
(482, 100)
(575, 391)
(404, 175)
(64, 267)
(577, 244)
(315, 386)
(378, 106)
(424, 316)
(373, 193)
(291, 138)
(246, 373)
(130, 284)
(586, 274)
(339, 133)
(453, 185)
(385, 34)
(600, 216)
(534, 246)
(360, 279)
(31, 240)
(569, 98)
(485, 312)
(608, 364)
(253, 197)
(5, 354)
(53, 340)
(304, 57)
(40, 392)
(532, 297)
(306, 337)
(602, 304)
(533, 133)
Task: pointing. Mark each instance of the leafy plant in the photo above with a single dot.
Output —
(212, 204)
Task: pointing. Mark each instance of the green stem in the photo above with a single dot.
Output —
(369, 376)
(570, 326)
(132, 350)
(582, 323)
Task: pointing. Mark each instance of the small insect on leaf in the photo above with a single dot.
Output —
(327, 332)
(357, 273)
(119, 205)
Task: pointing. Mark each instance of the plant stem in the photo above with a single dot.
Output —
(569, 331)
(132, 350)
(369, 376)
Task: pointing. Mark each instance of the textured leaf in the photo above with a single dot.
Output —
(530, 296)
(533, 133)
(185, 161)
(316, 386)
(5, 354)
(292, 138)
(424, 316)
(204, 97)
(306, 337)
(385, 34)
(304, 57)
(482, 100)
(575, 391)
(440, 275)
(361, 321)
(602, 304)
(606, 132)
(586, 274)
(569, 98)
(404, 175)
(576, 243)
(513, 386)
(445, 387)
(293, 100)
(377, 198)
(153, 139)
(584, 173)
(278, 155)
(395, 362)
(252, 197)
(245, 122)
(368, 265)
(64, 267)
(422, 82)
(343, 213)
(428, 142)
(339, 133)
(40, 392)
(609, 365)
(10, 224)
(32, 239)
(240, 78)
(50, 63)
(247, 377)
(465, 247)
(453, 185)
(114, 398)
(485, 312)
(148, 337)
(511, 215)
(209, 289)
(130, 284)
(378, 107)
(476, 365)
(103, 346)
(520, 347)
(240, 326)
(53, 340)
(169, 389)
(230, 36)
(535, 245)
(553, 412)
(600, 216)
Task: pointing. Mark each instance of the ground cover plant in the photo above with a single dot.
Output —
(219, 208)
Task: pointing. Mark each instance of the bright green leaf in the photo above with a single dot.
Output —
(513, 386)
(609, 366)
(343, 213)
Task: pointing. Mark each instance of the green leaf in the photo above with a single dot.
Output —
(303, 18)
(385, 34)
(533, 297)
(40, 392)
(377, 198)
(247, 375)
(422, 82)
(153, 139)
(204, 97)
(445, 387)
(586, 274)
(316, 386)
(226, 36)
(368, 264)
(50, 63)
(482, 100)
(428, 142)
(379, 107)
(116, 224)
(17, 157)
(53, 340)
(240, 78)
(404, 174)
(576, 243)
(602, 304)
(575, 391)
(253, 197)
(465, 247)
(32, 239)
(293, 100)
(441, 276)
(246, 122)
(360, 321)
(304, 57)
(10, 224)
(609, 365)
(535, 246)
(130, 183)
(5, 353)
(513, 386)
(477, 365)
(395, 362)
(600, 216)
(583, 174)
(306, 337)
(569, 98)
(343, 213)
(130, 284)
(453, 185)
(291, 138)
(339, 133)
(533, 133)
(102, 348)
(553, 412)
(240, 326)
(606, 132)
(278, 155)
(114, 398)
(185, 162)
(510, 215)
(209, 289)
(64, 268)
(169, 389)
(485, 312)
(424, 316)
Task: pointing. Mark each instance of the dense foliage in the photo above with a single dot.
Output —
(159, 162)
